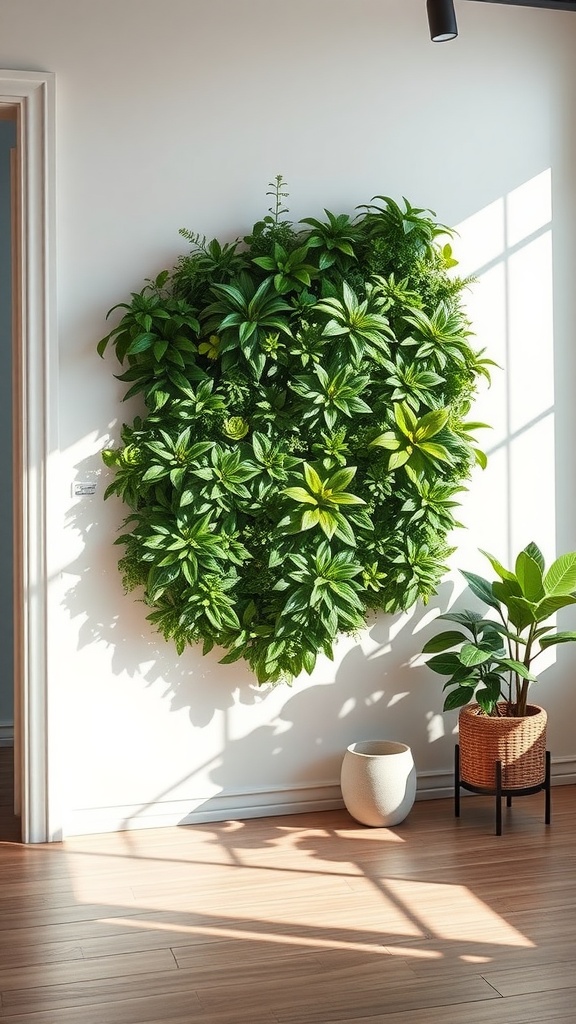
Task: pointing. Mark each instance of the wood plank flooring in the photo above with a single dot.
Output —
(301, 919)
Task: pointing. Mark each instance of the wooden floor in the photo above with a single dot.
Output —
(306, 919)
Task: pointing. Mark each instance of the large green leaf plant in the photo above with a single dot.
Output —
(303, 432)
(492, 660)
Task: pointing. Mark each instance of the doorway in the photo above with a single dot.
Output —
(9, 822)
(27, 99)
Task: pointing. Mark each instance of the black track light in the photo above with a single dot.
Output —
(442, 20)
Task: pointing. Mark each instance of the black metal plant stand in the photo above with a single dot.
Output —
(499, 791)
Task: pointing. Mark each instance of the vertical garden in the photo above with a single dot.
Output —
(305, 430)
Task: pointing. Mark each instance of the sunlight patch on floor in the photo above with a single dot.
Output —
(448, 912)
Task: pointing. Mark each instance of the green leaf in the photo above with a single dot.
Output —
(445, 664)
(266, 262)
(344, 531)
(160, 349)
(431, 424)
(533, 550)
(141, 343)
(560, 580)
(481, 588)
(308, 661)
(490, 638)
(397, 460)
(466, 618)
(405, 419)
(310, 519)
(443, 641)
(529, 576)
(487, 696)
(327, 522)
(522, 613)
(340, 480)
(260, 444)
(312, 479)
(274, 558)
(458, 698)
(557, 638)
(300, 494)
(503, 573)
(516, 666)
(345, 498)
(472, 655)
(481, 457)
(386, 440)
(155, 473)
(437, 451)
(550, 605)
(326, 259)
(232, 656)
(246, 331)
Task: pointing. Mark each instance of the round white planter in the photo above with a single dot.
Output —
(378, 781)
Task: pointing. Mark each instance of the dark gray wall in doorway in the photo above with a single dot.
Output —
(7, 142)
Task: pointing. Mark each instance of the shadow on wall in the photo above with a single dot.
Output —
(369, 696)
(119, 621)
(362, 700)
(367, 693)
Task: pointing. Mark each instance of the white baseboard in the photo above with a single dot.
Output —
(260, 804)
(440, 785)
(6, 734)
(229, 807)
(563, 771)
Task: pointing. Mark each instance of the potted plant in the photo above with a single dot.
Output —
(489, 662)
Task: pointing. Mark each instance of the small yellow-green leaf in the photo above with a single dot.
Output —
(300, 494)
(398, 459)
(405, 418)
(312, 479)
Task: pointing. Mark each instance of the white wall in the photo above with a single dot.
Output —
(179, 114)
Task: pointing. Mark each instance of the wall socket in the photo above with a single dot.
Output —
(83, 488)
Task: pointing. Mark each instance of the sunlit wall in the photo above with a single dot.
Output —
(507, 248)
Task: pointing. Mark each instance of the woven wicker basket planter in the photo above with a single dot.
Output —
(519, 743)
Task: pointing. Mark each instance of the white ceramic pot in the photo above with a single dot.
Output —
(378, 781)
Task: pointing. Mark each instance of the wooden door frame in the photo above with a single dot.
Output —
(38, 798)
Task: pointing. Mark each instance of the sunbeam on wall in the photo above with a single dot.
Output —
(507, 247)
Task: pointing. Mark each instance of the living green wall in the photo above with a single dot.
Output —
(307, 433)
